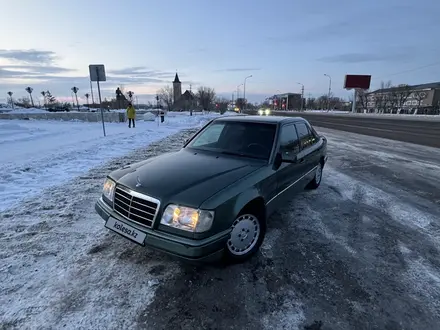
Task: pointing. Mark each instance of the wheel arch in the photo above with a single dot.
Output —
(251, 200)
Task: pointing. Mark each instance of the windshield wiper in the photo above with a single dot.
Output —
(240, 154)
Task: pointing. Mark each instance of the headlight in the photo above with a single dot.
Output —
(267, 112)
(187, 218)
(260, 112)
(109, 189)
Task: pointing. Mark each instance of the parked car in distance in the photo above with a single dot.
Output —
(213, 197)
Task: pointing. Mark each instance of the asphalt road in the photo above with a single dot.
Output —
(414, 131)
(360, 252)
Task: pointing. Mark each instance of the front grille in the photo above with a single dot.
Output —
(135, 206)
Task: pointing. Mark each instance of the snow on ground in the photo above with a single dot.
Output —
(38, 154)
(61, 269)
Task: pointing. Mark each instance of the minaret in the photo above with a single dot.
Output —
(177, 88)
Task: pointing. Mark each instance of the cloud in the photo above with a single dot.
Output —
(363, 57)
(238, 70)
(142, 72)
(31, 56)
(29, 71)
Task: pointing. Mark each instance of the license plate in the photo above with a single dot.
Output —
(126, 230)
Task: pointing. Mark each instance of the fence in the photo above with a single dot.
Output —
(110, 117)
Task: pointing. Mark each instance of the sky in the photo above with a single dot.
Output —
(282, 43)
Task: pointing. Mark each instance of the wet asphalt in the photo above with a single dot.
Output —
(361, 252)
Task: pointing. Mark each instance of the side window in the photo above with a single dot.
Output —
(289, 143)
(314, 137)
(303, 135)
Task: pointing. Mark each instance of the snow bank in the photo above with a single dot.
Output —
(40, 154)
(23, 110)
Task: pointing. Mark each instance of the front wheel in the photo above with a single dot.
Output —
(247, 234)
(317, 178)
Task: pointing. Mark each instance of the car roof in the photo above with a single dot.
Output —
(260, 119)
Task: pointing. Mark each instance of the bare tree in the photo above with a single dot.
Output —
(23, 102)
(221, 104)
(87, 95)
(166, 96)
(382, 97)
(392, 99)
(205, 96)
(240, 103)
(44, 98)
(402, 94)
(362, 99)
(322, 102)
(419, 96)
(311, 103)
(30, 90)
(50, 99)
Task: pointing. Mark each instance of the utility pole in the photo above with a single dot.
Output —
(91, 91)
(302, 95)
(244, 91)
(329, 91)
(238, 95)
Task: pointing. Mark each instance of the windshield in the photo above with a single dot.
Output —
(254, 140)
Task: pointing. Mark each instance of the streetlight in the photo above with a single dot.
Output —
(277, 97)
(244, 91)
(238, 94)
(302, 95)
(329, 90)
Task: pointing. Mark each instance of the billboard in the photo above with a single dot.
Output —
(357, 81)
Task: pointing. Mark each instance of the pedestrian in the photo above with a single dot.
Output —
(131, 115)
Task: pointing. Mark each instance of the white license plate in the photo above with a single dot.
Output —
(126, 230)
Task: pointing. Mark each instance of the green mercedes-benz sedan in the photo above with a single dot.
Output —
(213, 198)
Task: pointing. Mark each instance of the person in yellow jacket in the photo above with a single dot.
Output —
(131, 115)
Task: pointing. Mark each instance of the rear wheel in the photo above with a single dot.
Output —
(247, 234)
(317, 178)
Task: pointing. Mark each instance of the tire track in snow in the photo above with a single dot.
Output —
(61, 268)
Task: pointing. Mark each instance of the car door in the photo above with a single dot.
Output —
(309, 152)
(289, 172)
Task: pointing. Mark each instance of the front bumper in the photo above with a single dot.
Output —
(204, 250)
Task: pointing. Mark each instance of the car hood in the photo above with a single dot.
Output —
(186, 177)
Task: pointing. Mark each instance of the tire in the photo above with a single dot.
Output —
(314, 184)
(247, 235)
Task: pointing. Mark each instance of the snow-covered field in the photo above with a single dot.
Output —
(362, 251)
(39, 154)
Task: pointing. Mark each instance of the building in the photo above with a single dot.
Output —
(286, 101)
(181, 101)
(403, 98)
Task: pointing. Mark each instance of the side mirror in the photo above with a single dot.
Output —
(279, 160)
(291, 159)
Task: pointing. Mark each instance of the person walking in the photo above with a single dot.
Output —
(131, 115)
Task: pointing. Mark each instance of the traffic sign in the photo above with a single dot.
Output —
(97, 72)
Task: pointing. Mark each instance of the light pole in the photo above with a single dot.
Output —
(329, 90)
(244, 91)
(238, 95)
(278, 99)
(302, 95)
